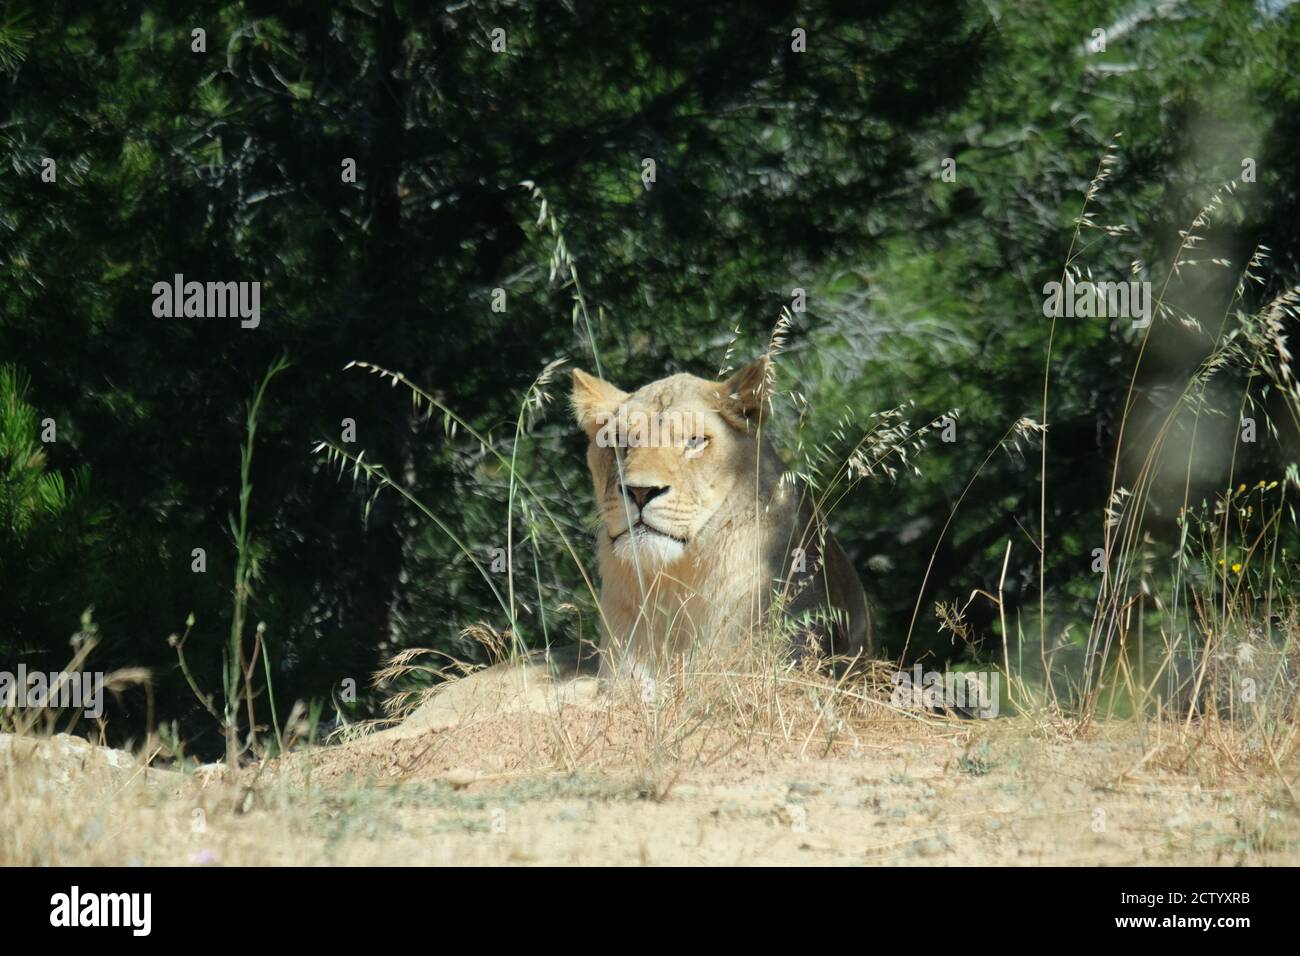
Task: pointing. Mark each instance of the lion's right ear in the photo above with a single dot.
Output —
(594, 401)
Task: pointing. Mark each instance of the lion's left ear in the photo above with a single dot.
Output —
(746, 395)
(595, 401)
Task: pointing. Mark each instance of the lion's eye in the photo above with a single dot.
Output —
(696, 444)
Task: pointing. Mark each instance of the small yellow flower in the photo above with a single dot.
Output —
(1241, 489)
(1236, 568)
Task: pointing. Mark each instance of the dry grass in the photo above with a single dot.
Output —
(759, 773)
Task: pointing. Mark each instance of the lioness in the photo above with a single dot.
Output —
(699, 532)
(699, 536)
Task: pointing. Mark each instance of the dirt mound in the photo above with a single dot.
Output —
(499, 723)
(61, 759)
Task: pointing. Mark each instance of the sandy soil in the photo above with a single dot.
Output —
(529, 776)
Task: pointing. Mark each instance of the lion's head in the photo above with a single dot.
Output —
(665, 459)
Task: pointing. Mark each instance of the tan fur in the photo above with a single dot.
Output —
(730, 527)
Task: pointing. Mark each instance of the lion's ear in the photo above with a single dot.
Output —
(745, 396)
(594, 401)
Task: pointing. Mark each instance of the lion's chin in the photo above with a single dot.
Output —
(646, 547)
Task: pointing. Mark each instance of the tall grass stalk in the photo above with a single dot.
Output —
(237, 672)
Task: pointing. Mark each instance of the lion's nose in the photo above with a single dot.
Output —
(643, 494)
